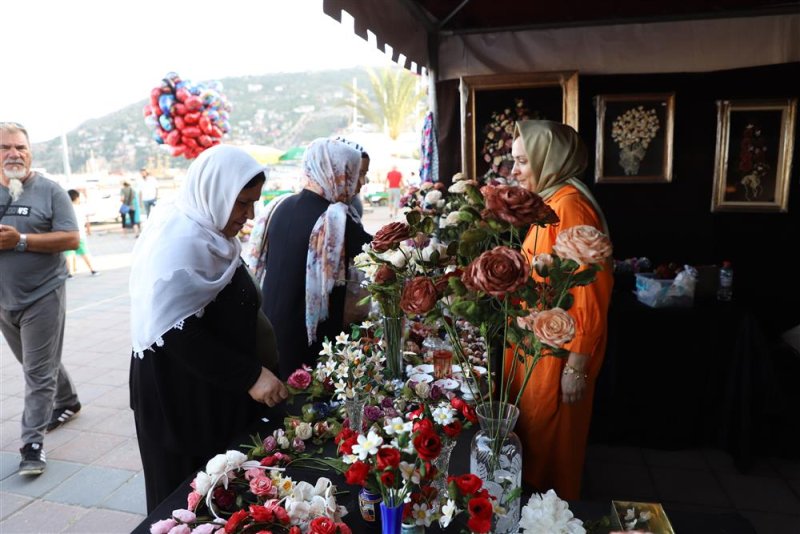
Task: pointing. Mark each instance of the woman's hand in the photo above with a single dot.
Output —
(268, 389)
(574, 379)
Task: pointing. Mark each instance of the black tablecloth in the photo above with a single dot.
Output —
(678, 378)
(683, 522)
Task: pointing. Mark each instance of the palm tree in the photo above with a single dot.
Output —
(395, 103)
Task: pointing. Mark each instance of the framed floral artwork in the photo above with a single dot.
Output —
(634, 138)
(755, 142)
(491, 104)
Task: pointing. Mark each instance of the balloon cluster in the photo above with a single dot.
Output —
(187, 117)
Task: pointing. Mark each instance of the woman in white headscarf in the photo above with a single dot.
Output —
(312, 236)
(197, 377)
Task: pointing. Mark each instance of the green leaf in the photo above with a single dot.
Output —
(413, 217)
(428, 225)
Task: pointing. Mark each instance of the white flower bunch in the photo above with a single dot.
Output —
(347, 365)
(546, 513)
(305, 503)
(635, 126)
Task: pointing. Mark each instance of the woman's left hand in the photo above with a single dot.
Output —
(574, 379)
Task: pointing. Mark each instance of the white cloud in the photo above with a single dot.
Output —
(65, 62)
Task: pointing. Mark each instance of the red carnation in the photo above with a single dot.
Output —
(235, 520)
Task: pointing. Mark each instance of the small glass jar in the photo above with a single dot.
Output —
(442, 363)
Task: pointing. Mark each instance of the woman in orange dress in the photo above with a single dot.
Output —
(556, 406)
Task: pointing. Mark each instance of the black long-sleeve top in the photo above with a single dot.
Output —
(191, 393)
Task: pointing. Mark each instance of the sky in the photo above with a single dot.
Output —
(65, 62)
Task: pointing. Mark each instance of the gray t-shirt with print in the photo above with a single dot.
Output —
(25, 277)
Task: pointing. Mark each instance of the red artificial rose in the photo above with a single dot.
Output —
(322, 525)
(443, 282)
(344, 529)
(422, 425)
(458, 403)
(497, 272)
(295, 530)
(468, 411)
(385, 275)
(269, 461)
(224, 498)
(388, 457)
(280, 512)
(346, 447)
(428, 445)
(390, 235)
(235, 521)
(357, 473)
(300, 379)
(344, 435)
(453, 429)
(261, 514)
(479, 526)
(481, 508)
(468, 484)
(516, 206)
(387, 479)
(419, 296)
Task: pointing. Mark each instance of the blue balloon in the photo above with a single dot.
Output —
(157, 138)
(165, 102)
(166, 124)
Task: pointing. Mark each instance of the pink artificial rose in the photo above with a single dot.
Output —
(497, 272)
(300, 379)
(542, 264)
(163, 526)
(554, 327)
(180, 529)
(193, 500)
(184, 516)
(584, 244)
(205, 528)
(262, 486)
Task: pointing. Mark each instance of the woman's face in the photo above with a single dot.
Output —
(522, 170)
(242, 209)
(362, 174)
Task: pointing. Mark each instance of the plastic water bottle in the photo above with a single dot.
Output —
(725, 291)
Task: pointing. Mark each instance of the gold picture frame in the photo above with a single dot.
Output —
(755, 143)
(486, 99)
(634, 138)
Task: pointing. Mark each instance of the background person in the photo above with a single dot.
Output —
(149, 191)
(357, 204)
(394, 183)
(38, 225)
(129, 199)
(313, 239)
(556, 406)
(83, 226)
(198, 369)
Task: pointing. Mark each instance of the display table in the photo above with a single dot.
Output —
(678, 378)
(683, 522)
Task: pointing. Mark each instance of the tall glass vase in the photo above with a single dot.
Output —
(393, 346)
(442, 464)
(354, 408)
(496, 458)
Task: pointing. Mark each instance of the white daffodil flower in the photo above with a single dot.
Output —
(398, 426)
(367, 445)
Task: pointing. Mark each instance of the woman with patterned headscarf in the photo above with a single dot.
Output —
(556, 406)
(312, 238)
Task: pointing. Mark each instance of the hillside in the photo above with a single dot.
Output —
(280, 110)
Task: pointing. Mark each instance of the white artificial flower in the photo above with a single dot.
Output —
(630, 514)
(397, 425)
(327, 349)
(452, 219)
(547, 513)
(216, 465)
(395, 257)
(425, 186)
(645, 516)
(319, 506)
(283, 442)
(421, 514)
(408, 472)
(366, 325)
(302, 491)
(367, 445)
(342, 339)
(449, 510)
(298, 511)
(202, 483)
(443, 415)
(422, 389)
(458, 187)
(304, 431)
(234, 460)
(434, 246)
(432, 197)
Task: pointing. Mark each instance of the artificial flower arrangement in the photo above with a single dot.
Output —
(636, 127)
(235, 494)
(466, 494)
(498, 137)
(352, 364)
(428, 199)
(546, 512)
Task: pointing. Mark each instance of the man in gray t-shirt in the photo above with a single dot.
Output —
(37, 223)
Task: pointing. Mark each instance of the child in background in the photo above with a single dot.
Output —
(83, 227)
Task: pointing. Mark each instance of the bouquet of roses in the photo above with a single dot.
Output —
(465, 493)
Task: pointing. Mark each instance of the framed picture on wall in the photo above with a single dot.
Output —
(755, 142)
(634, 138)
(490, 105)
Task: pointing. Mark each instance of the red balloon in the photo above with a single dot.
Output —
(190, 142)
(205, 124)
(192, 118)
(178, 150)
(204, 141)
(179, 122)
(215, 132)
(147, 110)
(154, 94)
(173, 138)
(179, 109)
(182, 94)
(193, 103)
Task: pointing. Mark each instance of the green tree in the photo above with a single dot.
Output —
(394, 103)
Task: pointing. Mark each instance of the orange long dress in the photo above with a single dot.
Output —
(554, 434)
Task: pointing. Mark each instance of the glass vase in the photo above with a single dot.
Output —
(442, 464)
(354, 408)
(391, 518)
(412, 529)
(496, 458)
(393, 346)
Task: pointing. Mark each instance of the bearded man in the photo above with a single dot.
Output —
(37, 223)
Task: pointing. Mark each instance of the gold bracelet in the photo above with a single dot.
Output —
(569, 370)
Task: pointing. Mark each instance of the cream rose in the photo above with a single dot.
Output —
(554, 327)
(584, 244)
(304, 430)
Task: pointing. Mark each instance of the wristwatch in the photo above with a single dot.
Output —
(22, 244)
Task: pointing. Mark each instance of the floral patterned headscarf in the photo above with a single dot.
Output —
(557, 156)
(331, 170)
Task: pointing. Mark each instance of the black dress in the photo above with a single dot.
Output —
(284, 286)
(190, 396)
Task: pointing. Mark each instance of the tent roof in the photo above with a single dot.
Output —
(415, 29)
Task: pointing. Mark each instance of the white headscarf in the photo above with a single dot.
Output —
(331, 169)
(182, 260)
